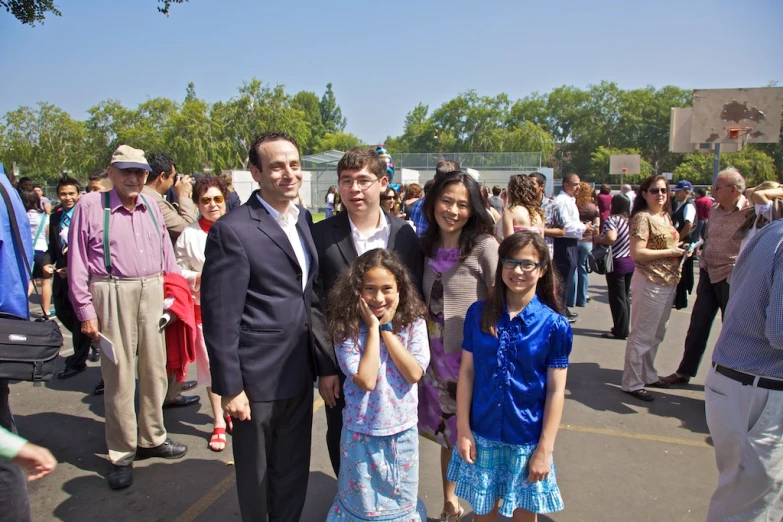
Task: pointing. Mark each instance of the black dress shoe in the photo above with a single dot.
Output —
(168, 450)
(95, 355)
(98, 389)
(571, 315)
(184, 400)
(70, 372)
(120, 476)
(189, 385)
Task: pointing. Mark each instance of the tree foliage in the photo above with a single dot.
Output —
(331, 115)
(31, 12)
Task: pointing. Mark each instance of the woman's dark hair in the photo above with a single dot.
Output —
(205, 183)
(394, 192)
(332, 190)
(547, 288)
(479, 223)
(701, 192)
(342, 314)
(606, 189)
(31, 201)
(621, 206)
(640, 203)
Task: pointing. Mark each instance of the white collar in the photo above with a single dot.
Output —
(382, 226)
(291, 213)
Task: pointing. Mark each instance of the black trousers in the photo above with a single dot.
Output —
(619, 292)
(14, 502)
(334, 427)
(710, 297)
(66, 315)
(272, 458)
(566, 253)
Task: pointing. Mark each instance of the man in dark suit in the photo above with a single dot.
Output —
(256, 301)
(68, 191)
(339, 241)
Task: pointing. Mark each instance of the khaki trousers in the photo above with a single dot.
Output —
(128, 311)
(650, 311)
(746, 430)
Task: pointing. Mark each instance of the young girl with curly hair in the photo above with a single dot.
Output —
(524, 208)
(511, 388)
(375, 315)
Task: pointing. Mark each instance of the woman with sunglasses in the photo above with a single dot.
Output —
(655, 248)
(210, 195)
(389, 201)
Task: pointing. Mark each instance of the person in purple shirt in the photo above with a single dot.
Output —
(119, 250)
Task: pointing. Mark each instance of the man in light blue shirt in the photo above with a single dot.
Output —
(744, 387)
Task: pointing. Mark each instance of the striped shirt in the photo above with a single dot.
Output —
(752, 337)
(622, 246)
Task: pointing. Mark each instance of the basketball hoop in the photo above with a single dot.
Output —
(625, 170)
(739, 133)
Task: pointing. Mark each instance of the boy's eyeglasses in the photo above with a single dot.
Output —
(363, 184)
(207, 200)
(657, 191)
(525, 264)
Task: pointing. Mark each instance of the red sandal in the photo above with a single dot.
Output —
(229, 424)
(218, 436)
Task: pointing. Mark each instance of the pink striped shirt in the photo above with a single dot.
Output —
(137, 248)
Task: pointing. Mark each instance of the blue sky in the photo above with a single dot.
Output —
(383, 58)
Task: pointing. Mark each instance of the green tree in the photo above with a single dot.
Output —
(308, 103)
(337, 141)
(31, 12)
(599, 166)
(331, 114)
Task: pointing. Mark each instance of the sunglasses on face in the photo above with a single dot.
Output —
(525, 264)
(207, 200)
(387, 198)
(657, 191)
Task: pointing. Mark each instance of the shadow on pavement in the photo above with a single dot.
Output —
(599, 389)
(161, 490)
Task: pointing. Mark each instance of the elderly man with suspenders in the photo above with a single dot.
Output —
(119, 251)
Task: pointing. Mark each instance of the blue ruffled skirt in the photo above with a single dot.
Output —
(500, 473)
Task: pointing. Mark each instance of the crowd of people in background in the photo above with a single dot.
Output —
(442, 311)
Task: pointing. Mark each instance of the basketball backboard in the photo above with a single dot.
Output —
(751, 115)
(680, 134)
(625, 164)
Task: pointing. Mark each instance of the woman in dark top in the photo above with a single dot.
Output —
(618, 282)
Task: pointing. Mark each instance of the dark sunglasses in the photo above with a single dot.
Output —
(207, 200)
(657, 191)
(387, 198)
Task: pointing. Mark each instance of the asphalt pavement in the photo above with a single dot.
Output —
(618, 459)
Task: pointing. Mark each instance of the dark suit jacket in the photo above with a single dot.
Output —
(256, 318)
(59, 259)
(336, 251)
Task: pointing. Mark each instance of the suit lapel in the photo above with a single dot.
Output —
(394, 226)
(341, 233)
(270, 227)
(304, 230)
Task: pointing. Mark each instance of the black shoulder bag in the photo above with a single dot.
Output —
(28, 349)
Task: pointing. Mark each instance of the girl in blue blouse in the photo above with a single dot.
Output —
(511, 388)
(376, 317)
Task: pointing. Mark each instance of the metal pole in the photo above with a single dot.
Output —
(716, 164)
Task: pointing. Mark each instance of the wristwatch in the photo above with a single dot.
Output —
(386, 327)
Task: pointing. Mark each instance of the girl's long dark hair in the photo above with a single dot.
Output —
(640, 203)
(342, 313)
(547, 289)
(479, 223)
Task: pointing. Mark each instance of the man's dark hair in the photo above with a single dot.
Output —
(496, 190)
(264, 137)
(68, 182)
(445, 167)
(701, 192)
(428, 185)
(540, 178)
(359, 158)
(24, 179)
(160, 164)
(98, 175)
(570, 178)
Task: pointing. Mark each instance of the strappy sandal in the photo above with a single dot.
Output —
(452, 517)
(218, 437)
(642, 395)
(229, 424)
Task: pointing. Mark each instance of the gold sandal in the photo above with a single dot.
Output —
(453, 517)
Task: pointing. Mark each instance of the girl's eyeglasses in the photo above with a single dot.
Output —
(525, 264)
(207, 200)
(657, 191)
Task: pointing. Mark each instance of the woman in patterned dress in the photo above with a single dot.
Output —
(459, 269)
